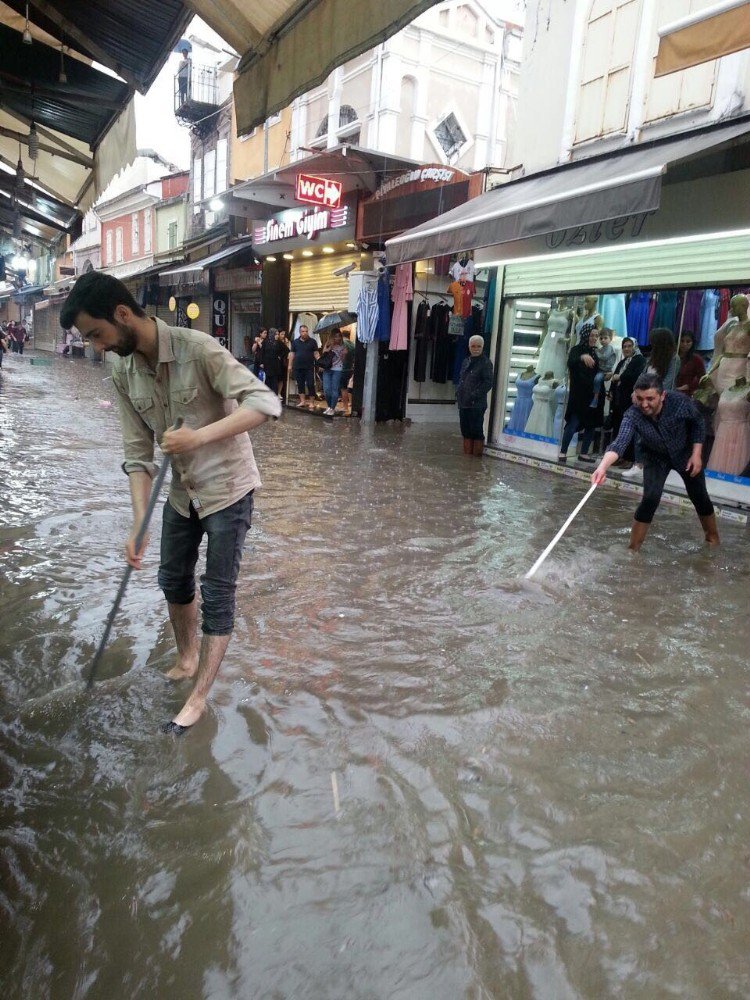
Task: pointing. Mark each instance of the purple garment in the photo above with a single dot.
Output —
(691, 319)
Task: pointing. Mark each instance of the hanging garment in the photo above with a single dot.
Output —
(522, 404)
(384, 307)
(367, 313)
(401, 294)
(309, 320)
(730, 368)
(559, 406)
(638, 317)
(421, 342)
(489, 304)
(724, 299)
(666, 309)
(542, 417)
(690, 318)
(709, 311)
(442, 352)
(472, 326)
(465, 271)
(614, 314)
(553, 354)
(731, 451)
(585, 326)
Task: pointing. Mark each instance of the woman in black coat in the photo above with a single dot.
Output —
(623, 381)
(475, 381)
(579, 413)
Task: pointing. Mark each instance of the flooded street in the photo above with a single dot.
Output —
(418, 777)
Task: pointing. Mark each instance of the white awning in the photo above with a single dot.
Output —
(291, 46)
(707, 34)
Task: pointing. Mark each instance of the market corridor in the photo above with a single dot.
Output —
(418, 778)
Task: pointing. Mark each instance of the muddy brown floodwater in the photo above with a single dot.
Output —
(542, 790)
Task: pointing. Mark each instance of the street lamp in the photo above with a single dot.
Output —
(20, 263)
(216, 205)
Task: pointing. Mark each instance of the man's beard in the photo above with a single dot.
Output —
(126, 340)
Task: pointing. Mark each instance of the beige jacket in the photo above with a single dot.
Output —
(200, 381)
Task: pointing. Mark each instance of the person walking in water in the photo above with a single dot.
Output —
(475, 381)
(162, 373)
(672, 432)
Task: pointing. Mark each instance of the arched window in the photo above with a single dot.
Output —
(347, 115)
(607, 64)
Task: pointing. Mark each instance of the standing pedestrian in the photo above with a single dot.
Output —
(672, 433)
(162, 373)
(475, 381)
(334, 355)
(579, 415)
(304, 355)
(4, 345)
(184, 72)
(347, 375)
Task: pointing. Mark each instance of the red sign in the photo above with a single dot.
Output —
(319, 190)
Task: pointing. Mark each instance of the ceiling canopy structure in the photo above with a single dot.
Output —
(289, 46)
(68, 72)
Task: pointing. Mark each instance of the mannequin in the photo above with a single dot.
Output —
(591, 320)
(523, 402)
(553, 352)
(731, 451)
(542, 417)
(463, 268)
(561, 392)
(731, 346)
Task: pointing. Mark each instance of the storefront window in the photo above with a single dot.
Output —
(705, 355)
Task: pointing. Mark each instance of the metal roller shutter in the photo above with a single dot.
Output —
(314, 287)
(712, 261)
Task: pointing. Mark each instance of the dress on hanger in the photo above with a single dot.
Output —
(542, 417)
(553, 354)
(690, 318)
(522, 405)
(708, 324)
(731, 450)
(666, 310)
(730, 368)
(614, 313)
(638, 317)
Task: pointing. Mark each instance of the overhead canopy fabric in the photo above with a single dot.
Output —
(578, 194)
(184, 270)
(83, 117)
(708, 34)
(290, 46)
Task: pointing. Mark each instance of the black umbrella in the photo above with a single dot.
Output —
(334, 320)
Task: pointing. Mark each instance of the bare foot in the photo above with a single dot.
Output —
(182, 673)
(190, 712)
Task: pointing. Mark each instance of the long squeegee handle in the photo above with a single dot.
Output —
(152, 500)
(559, 535)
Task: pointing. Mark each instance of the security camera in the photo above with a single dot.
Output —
(345, 270)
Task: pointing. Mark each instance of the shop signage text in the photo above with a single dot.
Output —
(629, 226)
(319, 190)
(303, 223)
(219, 318)
(435, 175)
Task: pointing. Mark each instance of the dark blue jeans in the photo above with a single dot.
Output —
(180, 540)
(331, 386)
(573, 425)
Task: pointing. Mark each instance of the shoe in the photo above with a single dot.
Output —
(301, 406)
(586, 458)
(328, 412)
(634, 474)
(562, 457)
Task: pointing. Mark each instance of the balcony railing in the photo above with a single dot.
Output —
(196, 92)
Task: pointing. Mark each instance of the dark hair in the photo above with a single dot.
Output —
(688, 333)
(648, 381)
(606, 330)
(662, 350)
(627, 340)
(98, 295)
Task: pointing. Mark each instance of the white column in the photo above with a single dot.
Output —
(640, 72)
(580, 22)
(298, 126)
(335, 86)
(390, 101)
(485, 114)
(422, 76)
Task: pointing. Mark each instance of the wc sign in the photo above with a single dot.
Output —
(319, 191)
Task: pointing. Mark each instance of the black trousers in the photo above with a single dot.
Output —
(472, 422)
(655, 475)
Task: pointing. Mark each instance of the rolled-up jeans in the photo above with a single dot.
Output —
(180, 542)
(331, 385)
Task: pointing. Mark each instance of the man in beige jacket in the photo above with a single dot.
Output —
(162, 373)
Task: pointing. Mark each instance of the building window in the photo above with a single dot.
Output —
(135, 234)
(608, 53)
(450, 135)
(147, 230)
(684, 91)
(110, 253)
(209, 174)
(273, 119)
(172, 236)
(197, 183)
(118, 244)
(347, 128)
(221, 165)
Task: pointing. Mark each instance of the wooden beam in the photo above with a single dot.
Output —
(73, 31)
(42, 131)
(82, 161)
(43, 188)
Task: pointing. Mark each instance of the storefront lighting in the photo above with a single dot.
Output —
(27, 39)
(216, 205)
(307, 253)
(351, 246)
(271, 260)
(328, 250)
(20, 263)
(288, 256)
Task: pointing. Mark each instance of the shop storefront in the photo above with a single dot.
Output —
(236, 307)
(648, 238)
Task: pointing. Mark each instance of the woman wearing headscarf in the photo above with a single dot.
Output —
(474, 382)
(579, 413)
(624, 378)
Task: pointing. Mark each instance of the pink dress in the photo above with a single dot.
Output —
(401, 294)
(730, 368)
(731, 450)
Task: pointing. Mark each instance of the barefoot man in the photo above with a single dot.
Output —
(162, 373)
(672, 432)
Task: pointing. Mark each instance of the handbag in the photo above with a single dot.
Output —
(325, 361)
(456, 326)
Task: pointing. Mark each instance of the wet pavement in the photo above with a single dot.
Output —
(419, 777)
